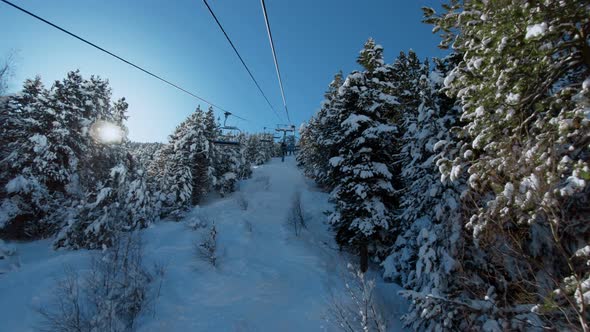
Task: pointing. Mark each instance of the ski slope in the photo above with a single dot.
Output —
(266, 279)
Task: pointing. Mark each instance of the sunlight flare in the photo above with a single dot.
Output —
(107, 132)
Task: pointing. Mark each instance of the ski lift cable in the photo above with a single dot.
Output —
(274, 55)
(117, 57)
(240, 57)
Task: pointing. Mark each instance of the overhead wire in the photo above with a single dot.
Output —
(119, 58)
(240, 57)
(274, 55)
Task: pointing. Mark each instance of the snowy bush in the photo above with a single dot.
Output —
(359, 311)
(199, 221)
(248, 226)
(242, 201)
(8, 258)
(110, 297)
(296, 217)
(206, 249)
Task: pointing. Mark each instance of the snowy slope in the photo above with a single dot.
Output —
(267, 279)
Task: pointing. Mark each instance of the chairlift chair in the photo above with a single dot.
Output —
(285, 129)
(266, 137)
(229, 134)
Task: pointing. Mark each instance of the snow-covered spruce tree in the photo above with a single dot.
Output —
(144, 153)
(252, 149)
(363, 195)
(230, 165)
(318, 138)
(54, 160)
(226, 158)
(211, 133)
(404, 82)
(100, 218)
(267, 146)
(119, 200)
(57, 174)
(140, 201)
(200, 159)
(176, 184)
(35, 168)
(257, 152)
(185, 174)
(244, 166)
(524, 88)
(426, 256)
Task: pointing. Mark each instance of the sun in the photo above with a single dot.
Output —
(107, 132)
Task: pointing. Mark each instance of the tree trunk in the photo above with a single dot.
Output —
(364, 253)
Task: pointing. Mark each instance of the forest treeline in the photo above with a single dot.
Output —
(58, 178)
(466, 177)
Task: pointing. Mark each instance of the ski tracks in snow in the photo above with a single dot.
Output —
(267, 278)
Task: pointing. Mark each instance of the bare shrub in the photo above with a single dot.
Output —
(248, 225)
(110, 297)
(200, 221)
(242, 202)
(358, 311)
(207, 248)
(296, 219)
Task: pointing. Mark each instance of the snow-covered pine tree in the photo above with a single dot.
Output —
(425, 257)
(98, 220)
(211, 133)
(252, 147)
(37, 163)
(158, 174)
(140, 201)
(265, 150)
(177, 183)
(363, 195)
(144, 153)
(524, 88)
(307, 145)
(404, 82)
(318, 138)
(231, 165)
(200, 158)
(186, 165)
(119, 199)
(257, 152)
(225, 170)
(243, 166)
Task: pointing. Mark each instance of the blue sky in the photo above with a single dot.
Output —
(179, 40)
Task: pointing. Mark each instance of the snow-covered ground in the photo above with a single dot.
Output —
(266, 279)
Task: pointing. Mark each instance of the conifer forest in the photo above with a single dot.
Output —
(426, 192)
